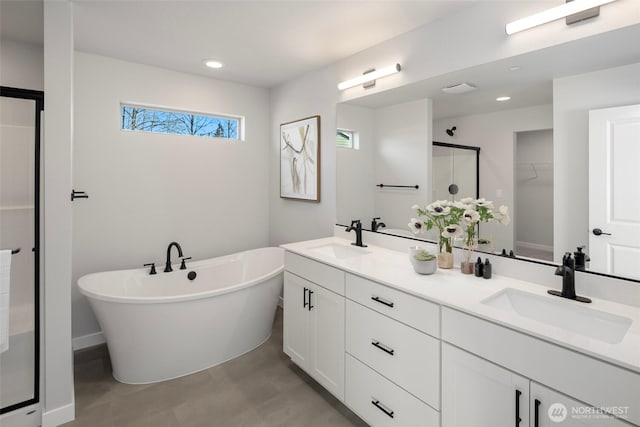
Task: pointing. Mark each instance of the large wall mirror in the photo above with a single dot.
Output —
(562, 152)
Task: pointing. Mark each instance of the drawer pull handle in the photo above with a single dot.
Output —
(536, 416)
(382, 301)
(304, 298)
(382, 347)
(518, 419)
(375, 402)
(310, 306)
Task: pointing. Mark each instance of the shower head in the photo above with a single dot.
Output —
(451, 131)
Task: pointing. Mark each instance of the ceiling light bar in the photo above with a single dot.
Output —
(553, 14)
(369, 77)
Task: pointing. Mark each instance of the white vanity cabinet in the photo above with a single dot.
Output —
(393, 367)
(478, 393)
(550, 408)
(314, 327)
(479, 381)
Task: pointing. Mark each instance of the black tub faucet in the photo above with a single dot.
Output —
(568, 272)
(167, 266)
(375, 225)
(357, 227)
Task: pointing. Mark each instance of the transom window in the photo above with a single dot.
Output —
(347, 139)
(151, 119)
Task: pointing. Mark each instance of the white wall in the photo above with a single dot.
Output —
(147, 190)
(403, 157)
(534, 189)
(292, 220)
(21, 65)
(573, 97)
(354, 170)
(422, 55)
(57, 154)
(494, 133)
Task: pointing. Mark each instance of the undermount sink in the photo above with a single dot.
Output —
(338, 251)
(554, 311)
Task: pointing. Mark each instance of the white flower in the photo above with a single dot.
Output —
(415, 207)
(485, 203)
(453, 230)
(504, 219)
(438, 208)
(416, 226)
(467, 200)
(471, 216)
(502, 216)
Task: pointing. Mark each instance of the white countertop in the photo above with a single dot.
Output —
(451, 288)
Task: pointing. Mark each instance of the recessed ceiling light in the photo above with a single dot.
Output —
(514, 68)
(503, 98)
(212, 63)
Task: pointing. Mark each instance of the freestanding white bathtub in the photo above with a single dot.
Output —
(164, 326)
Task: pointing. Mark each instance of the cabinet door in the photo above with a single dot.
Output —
(478, 393)
(550, 408)
(296, 319)
(327, 339)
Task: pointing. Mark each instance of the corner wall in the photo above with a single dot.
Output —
(573, 97)
(494, 133)
(147, 189)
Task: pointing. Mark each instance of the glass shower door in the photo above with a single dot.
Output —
(19, 229)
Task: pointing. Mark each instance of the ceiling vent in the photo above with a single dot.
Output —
(458, 88)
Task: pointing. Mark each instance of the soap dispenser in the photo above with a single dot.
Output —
(581, 258)
(479, 268)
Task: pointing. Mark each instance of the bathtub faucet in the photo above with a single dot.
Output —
(167, 266)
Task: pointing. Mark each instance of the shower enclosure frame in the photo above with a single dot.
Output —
(38, 97)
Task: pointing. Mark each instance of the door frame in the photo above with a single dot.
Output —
(38, 97)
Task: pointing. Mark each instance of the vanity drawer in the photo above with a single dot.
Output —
(418, 313)
(321, 274)
(381, 403)
(404, 355)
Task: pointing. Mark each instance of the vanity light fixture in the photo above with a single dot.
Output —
(212, 63)
(370, 76)
(503, 98)
(451, 132)
(553, 14)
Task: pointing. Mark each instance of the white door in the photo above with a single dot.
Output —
(550, 408)
(478, 393)
(327, 339)
(614, 190)
(296, 319)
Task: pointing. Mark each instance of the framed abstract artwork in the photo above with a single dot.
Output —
(300, 159)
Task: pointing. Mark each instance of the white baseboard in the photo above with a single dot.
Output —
(59, 416)
(535, 246)
(86, 341)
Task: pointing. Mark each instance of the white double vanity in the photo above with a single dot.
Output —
(452, 350)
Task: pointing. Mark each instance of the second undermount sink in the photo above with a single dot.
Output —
(339, 251)
(564, 314)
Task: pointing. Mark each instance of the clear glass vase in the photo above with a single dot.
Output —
(445, 256)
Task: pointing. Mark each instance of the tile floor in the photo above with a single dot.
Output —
(263, 388)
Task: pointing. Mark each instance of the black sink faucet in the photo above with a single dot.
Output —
(375, 225)
(167, 266)
(568, 272)
(357, 227)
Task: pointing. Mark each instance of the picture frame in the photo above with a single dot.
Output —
(300, 159)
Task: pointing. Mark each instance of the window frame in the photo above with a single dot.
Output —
(240, 128)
